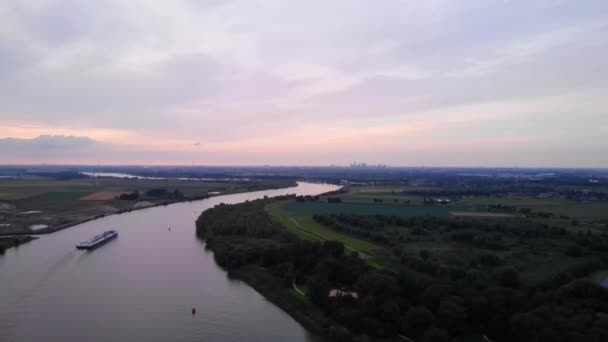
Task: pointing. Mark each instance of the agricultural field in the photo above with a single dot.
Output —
(388, 194)
(297, 217)
(311, 208)
(557, 211)
(415, 228)
(35, 200)
(102, 196)
(447, 247)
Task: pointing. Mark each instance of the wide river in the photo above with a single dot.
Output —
(138, 287)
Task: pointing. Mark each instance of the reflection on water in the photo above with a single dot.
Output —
(138, 287)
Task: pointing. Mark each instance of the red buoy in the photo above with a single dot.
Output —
(194, 311)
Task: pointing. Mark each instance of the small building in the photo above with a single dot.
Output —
(335, 293)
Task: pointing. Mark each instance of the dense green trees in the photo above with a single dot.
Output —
(130, 196)
(425, 301)
(417, 320)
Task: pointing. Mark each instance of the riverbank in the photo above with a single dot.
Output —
(49, 230)
(256, 249)
(179, 278)
(271, 288)
(14, 241)
(62, 207)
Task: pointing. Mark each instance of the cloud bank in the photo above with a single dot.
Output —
(484, 83)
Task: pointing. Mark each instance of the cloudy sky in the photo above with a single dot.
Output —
(454, 83)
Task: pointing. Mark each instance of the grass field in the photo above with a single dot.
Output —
(479, 214)
(391, 189)
(62, 195)
(557, 206)
(386, 198)
(102, 196)
(310, 208)
(591, 216)
(388, 194)
(299, 223)
(526, 201)
(536, 261)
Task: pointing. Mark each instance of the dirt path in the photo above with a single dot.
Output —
(297, 289)
(405, 338)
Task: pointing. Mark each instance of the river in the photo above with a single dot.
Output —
(138, 287)
(129, 175)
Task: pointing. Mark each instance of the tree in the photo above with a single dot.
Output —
(417, 320)
(157, 193)
(339, 333)
(508, 278)
(425, 254)
(435, 335)
(390, 311)
(177, 194)
(377, 284)
(574, 251)
(333, 248)
(129, 197)
(490, 260)
(451, 314)
(362, 338)
(318, 290)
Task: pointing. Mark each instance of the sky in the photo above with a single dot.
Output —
(318, 82)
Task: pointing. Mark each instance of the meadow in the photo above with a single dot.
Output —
(302, 224)
(394, 246)
(365, 209)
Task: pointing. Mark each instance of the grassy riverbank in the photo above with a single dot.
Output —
(253, 247)
(42, 205)
(273, 289)
(428, 294)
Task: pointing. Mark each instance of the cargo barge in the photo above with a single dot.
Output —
(97, 240)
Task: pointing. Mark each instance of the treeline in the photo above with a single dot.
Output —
(484, 233)
(152, 193)
(481, 233)
(59, 175)
(13, 241)
(408, 303)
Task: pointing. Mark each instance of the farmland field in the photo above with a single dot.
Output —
(310, 208)
(564, 211)
(102, 196)
(62, 195)
(393, 189)
(479, 214)
(557, 206)
(537, 261)
(57, 203)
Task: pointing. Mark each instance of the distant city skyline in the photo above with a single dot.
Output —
(404, 83)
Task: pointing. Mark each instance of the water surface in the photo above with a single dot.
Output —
(138, 287)
(128, 175)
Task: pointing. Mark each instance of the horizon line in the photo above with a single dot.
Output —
(309, 166)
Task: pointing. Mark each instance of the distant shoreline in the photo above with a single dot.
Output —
(53, 229)
(7, 242)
